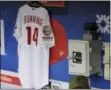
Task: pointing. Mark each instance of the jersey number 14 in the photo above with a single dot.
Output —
(29, 35)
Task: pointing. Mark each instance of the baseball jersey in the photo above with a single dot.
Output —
(34, 35)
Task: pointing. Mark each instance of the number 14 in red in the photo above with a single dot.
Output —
(29, 35)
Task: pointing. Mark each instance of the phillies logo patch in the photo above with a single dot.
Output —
(47, 30)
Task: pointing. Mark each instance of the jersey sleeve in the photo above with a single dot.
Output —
(48, 36)
(17, 28)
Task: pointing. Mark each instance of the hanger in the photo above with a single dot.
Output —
(35, 4)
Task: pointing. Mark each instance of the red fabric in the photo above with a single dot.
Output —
(53, 3)
(59, 51)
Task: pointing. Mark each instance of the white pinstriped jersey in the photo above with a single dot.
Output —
(34, 35)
